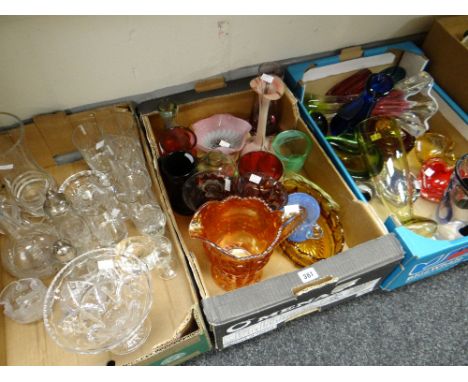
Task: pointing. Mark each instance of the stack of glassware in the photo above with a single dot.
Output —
(101, 296)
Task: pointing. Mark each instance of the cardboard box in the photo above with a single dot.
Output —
(449, 57)
(178, 331)
(423, 257)
(285, 291)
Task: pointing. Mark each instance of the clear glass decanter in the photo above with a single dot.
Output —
(28, 250)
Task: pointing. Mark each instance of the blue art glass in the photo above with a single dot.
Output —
(349, 115)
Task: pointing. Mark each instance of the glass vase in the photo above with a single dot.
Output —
(25, 180)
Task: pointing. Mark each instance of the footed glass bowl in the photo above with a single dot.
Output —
(99, 302)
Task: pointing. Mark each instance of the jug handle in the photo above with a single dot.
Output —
(292, 217)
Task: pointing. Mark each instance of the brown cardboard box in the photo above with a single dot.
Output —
(449, 57)
(178, 331)
(283, 293)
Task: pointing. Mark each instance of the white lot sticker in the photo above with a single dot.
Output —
(292, 209)
(6, 166)
(267, 78)
(307, 275)
(99, 145)
(429, 172)
(224, 144)
(227, 184)
(255, 179)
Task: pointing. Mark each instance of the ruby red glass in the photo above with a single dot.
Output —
(260, 163)
(177, 139)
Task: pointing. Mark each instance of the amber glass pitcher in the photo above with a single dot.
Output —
(239, 236)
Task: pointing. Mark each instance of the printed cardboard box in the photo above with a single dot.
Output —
(285, 291)
(423, 257)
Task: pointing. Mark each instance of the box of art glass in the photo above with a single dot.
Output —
(418, 211)
(251, 276)
(98, 306)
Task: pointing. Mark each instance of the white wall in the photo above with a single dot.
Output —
(56, 62)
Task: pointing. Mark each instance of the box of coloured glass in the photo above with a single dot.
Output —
(251, 275)
(76, 307)
(410, 209)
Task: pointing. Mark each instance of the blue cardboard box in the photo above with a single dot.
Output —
(423, 257)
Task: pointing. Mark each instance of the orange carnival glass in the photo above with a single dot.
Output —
(239, 236)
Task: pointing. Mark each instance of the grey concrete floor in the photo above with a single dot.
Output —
(425, 323)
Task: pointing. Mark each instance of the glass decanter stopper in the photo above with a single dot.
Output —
(70, 226)
(26, 181)
(174, 137)
(350, 114)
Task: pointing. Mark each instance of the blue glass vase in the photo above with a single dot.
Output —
(349, 115)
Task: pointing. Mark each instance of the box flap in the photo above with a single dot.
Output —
(275, 291)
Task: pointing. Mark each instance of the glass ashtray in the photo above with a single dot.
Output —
(99, 302)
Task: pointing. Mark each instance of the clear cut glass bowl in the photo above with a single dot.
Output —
(99, 302)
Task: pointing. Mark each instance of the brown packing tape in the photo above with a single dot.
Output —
(37, 146)
(56, 131)
(351, 53)
(210, 84)
(313, 285)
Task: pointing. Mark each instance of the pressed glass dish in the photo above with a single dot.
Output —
(332, 241)
(99, 302)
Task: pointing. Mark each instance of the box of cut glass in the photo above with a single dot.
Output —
(406, 153)
(236, 221)
(91, 273)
